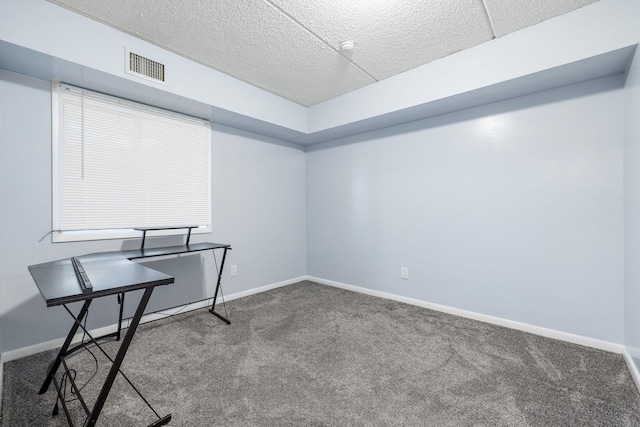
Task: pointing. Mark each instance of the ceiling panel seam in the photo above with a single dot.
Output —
(486, 11)
(319, 38)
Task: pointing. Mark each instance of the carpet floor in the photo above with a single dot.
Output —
(313, 355)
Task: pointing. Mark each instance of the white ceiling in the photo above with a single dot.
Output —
(292, 47)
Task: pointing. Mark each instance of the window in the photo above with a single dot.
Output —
(118, 165)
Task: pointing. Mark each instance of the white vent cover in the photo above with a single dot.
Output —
(144, 67)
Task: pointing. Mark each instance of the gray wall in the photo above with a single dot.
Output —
(512, 209)
(632, 210)
(258, 193)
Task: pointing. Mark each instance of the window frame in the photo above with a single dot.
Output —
(61, 236)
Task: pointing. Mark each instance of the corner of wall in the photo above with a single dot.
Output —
(631, 196)
(631, 364)
(1, 382)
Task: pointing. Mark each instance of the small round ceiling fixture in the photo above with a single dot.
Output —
(347, 47)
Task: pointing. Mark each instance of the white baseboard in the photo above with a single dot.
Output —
(266, 288)
(1, 378)
(19, 353)
(537, 330)
(49, 345)
(161, 314)
(632, 367)
(10, 355)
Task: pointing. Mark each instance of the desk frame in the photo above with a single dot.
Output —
(175, 250)
(110, 274)
(94, 413)
(40, 277)
(142, 253)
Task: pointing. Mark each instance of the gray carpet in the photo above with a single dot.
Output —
(312, 355)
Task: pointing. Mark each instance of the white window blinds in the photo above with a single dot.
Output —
(122, 165)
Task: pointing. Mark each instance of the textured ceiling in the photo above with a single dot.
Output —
(292, 47)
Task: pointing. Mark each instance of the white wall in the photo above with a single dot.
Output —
(258, 207)
(511, 209)
(632, 210)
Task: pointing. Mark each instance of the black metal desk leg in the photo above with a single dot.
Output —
(56, 363)
(115, 367)
(121, 302)
(215, 295)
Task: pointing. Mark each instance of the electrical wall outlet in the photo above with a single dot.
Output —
(404, 273)
(233, 270)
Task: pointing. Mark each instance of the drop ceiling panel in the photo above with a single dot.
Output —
(250, 40)
(394, 36)
(508, 16)
(292, 47)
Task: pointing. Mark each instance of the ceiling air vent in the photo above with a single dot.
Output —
(145, 67)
